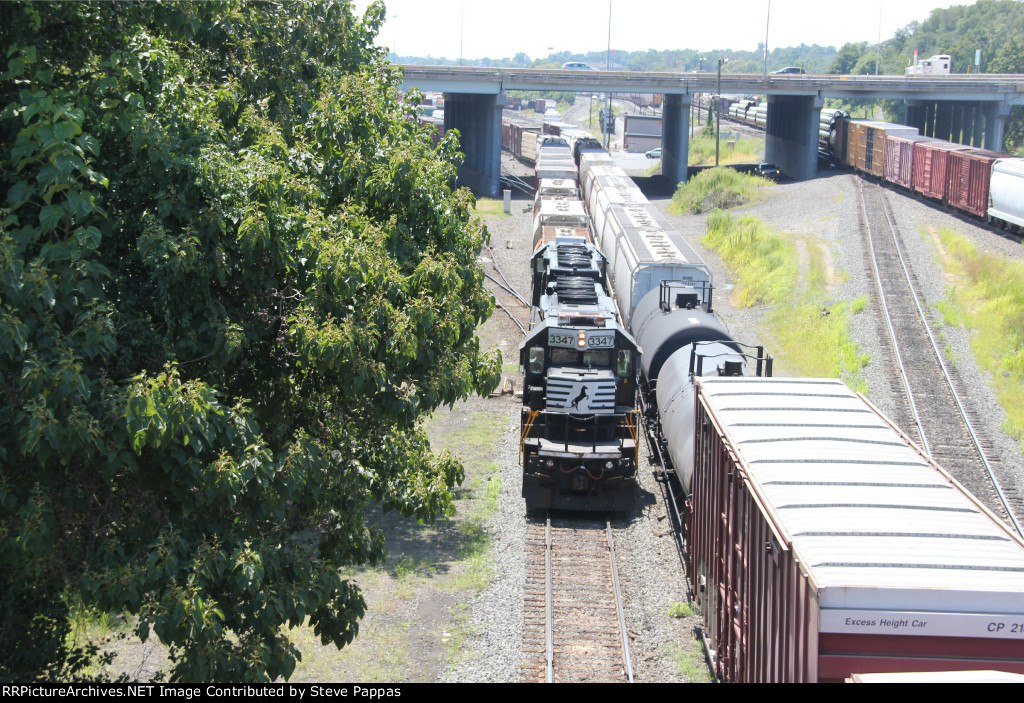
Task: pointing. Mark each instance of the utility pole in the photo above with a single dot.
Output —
(608, 67)
(718, 110)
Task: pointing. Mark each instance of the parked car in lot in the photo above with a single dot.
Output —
(654, 153)
(766, 170)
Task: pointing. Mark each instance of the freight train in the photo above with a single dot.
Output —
(585, 338)
(579, 423)
(820, 541)
(979, 182)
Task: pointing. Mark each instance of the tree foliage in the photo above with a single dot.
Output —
(993, 27)
(233, 277)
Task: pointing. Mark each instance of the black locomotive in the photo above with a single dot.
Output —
(579, 419)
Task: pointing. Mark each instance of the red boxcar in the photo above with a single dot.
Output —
(930, 160)
(823, 543)
(899, 158)
(968, 173)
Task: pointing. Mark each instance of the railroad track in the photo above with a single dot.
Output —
(933, 411)
(573, 629)
(503, 290)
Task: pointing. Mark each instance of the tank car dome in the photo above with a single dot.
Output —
(660, 334)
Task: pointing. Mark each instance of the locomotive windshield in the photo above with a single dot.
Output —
(593, 357)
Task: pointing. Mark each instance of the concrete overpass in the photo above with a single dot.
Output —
(974, 106)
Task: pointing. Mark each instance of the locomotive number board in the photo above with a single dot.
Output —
(569, 339)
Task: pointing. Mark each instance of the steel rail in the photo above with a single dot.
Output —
(888, 321)
(507, 286)
(510, 291)
(547, 587)
(511, 316)
(618, 605)
(949, 381)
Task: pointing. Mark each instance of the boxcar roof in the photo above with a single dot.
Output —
(875, 523)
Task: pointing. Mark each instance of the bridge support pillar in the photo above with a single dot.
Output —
(958, 122)
(995, 125)
(944, 120)
(915, 114)
(791, 135)
(978, 135)
(970, 118)
(977, 124)
(675, 137)
(929, 120)
(478, 119)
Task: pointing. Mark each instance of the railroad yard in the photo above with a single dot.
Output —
(425, 629)
(827, 209)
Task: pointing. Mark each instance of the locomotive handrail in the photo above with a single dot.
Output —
(632, 423)
(531, 416)
(620, 424)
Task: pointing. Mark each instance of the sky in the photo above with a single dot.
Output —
(473, 29)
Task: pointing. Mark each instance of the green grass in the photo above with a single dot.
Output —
(455, 636)
(808, 343)
(987, 295)
(716, 188)
(809, 333)
(702, 150)
(491, 208)
(680, 609)
(690, 661)
(765, 261)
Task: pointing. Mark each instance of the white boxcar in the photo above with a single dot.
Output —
(559, 218)
(643, 249)
(822, 542)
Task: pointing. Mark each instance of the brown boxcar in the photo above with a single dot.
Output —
(822, 542)
(968, 172)
(930, 159)
(865, 144)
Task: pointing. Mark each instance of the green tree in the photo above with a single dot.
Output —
(233, 278)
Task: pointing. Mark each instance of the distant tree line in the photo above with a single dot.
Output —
(993, 27)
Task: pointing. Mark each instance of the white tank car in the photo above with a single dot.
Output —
(681, 339)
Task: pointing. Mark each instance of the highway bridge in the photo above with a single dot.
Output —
(968, 109)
